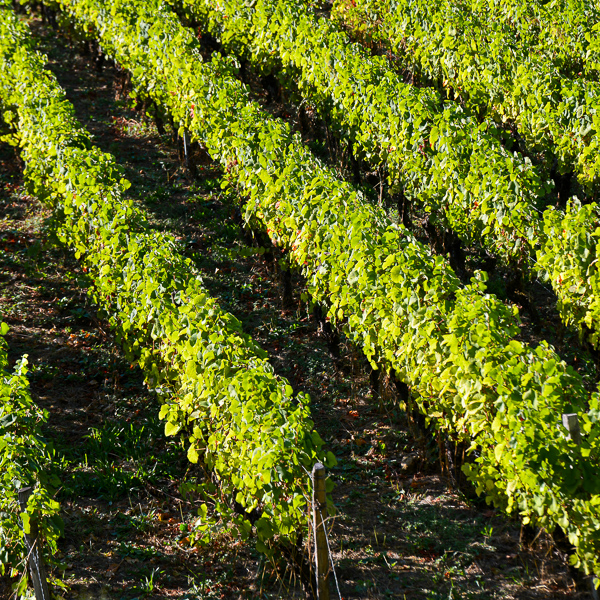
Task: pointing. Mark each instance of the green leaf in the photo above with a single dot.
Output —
(330, 460)
(499, 451)
(192, 454)
(433, 135)
(396, 274)
(171, 428)
(26, 518)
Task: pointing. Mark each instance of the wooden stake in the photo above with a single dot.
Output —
(190, 164)
(319, 516)
(571, 423)
(185, 149)
(32, 544)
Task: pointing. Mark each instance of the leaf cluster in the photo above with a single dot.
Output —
(440, 157)
(513, 60)
(444, 160)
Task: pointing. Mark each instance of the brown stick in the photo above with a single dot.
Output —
(319, 516)
(35, 560)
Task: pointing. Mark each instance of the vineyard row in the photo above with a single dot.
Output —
(452, 344)
(483, 57)
(24, 456)
(219, 391)
(438, 158)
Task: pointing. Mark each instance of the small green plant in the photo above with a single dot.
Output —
(148, 584)
(487, 532)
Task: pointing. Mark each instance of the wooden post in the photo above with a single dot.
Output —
(571, 423)
(319, 516)
(190, 165)
(185, 149)
(32, 544)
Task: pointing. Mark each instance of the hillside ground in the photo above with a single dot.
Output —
(401, 530)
